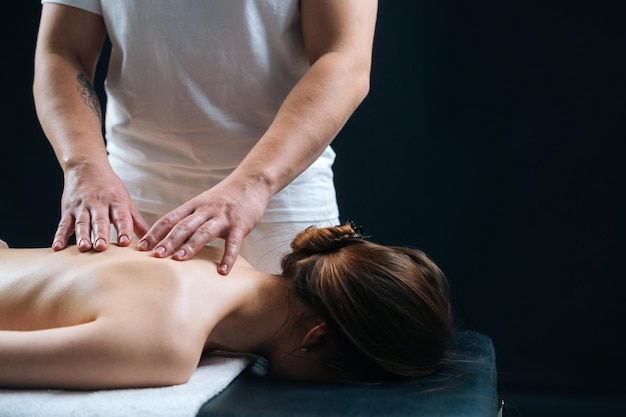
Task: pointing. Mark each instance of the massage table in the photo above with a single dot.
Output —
(466, 390)
(232, 385)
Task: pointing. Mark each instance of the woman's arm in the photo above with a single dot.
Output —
(69, 43)
(107, 353)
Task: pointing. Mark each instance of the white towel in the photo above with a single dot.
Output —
(212, 375)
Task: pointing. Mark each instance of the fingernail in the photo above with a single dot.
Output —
(123, 239)
(83, 242)
(223, 269)
(143, 245)
(100, 242)
(180, 254)
(159, 251)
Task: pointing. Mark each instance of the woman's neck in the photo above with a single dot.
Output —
(259, 317)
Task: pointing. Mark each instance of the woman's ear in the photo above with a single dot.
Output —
(314, 337)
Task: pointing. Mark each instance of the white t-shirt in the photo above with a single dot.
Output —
(192, 86)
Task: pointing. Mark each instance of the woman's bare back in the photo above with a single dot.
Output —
(40, 288)
(120, 318)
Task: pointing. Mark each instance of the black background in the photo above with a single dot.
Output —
(493, 139)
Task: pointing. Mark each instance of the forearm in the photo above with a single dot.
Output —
(307, 122)
(69, 111)
(69, 43)
(338, 39)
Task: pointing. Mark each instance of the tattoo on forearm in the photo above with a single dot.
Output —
(89, 95)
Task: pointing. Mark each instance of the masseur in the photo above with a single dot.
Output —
(219, 117)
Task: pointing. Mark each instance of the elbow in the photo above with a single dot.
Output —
(172, 374)
(346, 73)
(359, 85)
(359, 72)
(181, 372)
(176, 361)
(362, 86)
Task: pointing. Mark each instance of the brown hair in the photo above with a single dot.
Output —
(386, 308)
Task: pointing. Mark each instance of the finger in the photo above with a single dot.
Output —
(101, 228)
(123, 222)
(161, 230)
(157, 232)
(192, 232)
(63, 233)
(232, 246)
(203, 235)
(82, 230)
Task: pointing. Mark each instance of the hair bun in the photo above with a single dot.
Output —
(327, 239)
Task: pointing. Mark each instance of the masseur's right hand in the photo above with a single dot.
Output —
(93, 200)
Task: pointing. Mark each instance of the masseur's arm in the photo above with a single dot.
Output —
(68, 47)
(338, 38)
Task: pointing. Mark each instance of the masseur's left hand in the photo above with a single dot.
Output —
(228, 211)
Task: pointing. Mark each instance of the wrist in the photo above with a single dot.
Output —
(83, 165)
(255, 185)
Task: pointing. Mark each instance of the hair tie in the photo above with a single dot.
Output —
(359, 231)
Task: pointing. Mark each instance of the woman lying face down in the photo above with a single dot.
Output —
(344, 310)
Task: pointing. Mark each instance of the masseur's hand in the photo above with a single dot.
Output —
(92, 201)
(228, 211)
